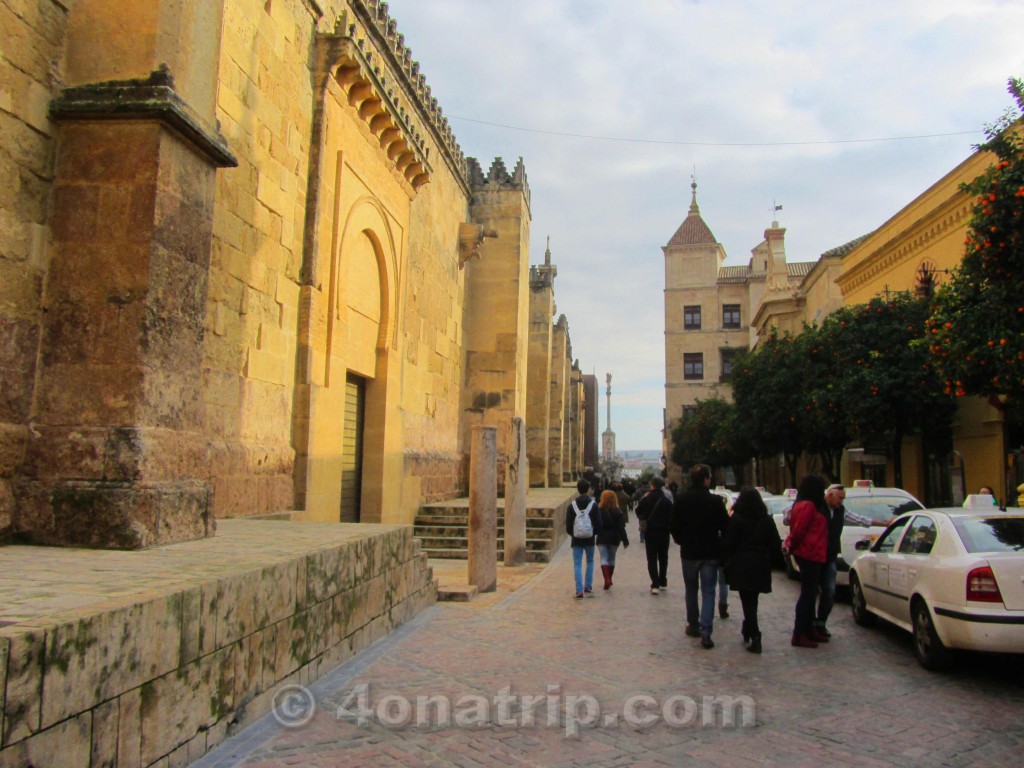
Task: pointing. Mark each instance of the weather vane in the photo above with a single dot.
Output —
(776, 207)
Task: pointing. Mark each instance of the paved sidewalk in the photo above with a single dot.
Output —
(860, 700)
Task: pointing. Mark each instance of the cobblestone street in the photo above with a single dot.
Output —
(860, 700)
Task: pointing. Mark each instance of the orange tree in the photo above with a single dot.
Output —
(711, 435)
(824, 416)
(975, 333)
(882, 376)
(768, 386)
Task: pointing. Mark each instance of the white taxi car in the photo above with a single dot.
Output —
(954, 577)
(868, 511)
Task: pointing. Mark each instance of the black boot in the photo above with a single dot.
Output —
(755, 643)
(746, 634)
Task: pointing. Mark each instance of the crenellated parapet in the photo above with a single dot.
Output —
(383, 83)
(498, 178)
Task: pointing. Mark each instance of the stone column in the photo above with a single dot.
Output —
(117, 458)
(483, 509)
(516, 474)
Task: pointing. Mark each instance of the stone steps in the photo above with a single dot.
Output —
(442, 530)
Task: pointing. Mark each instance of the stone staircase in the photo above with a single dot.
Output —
(441, 529)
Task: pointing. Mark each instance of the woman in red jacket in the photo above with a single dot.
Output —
(808, 541)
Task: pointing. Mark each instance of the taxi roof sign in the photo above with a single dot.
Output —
(982, 500)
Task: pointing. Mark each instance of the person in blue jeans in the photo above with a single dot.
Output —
(723, 594)
(699, 521)
(583, 524)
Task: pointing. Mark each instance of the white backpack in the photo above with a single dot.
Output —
(582, 526)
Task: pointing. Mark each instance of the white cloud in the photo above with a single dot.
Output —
(712, 72)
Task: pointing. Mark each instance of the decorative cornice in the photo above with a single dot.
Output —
(153, 98)
(906, 244)
(377, 25)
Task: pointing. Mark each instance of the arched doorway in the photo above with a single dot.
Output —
(362, 302)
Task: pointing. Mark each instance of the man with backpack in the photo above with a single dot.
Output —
(583, 523)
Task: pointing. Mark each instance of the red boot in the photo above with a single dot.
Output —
(611, 570)
(607, 576)
(803, 641)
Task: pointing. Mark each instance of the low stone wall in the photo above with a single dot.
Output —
(160, 676)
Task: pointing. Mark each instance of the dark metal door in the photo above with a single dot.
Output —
(352, 449)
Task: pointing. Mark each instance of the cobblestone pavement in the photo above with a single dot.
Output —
(860, 700)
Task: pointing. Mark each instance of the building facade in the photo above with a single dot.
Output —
(245, 268)
(713, 312)
(914, 250)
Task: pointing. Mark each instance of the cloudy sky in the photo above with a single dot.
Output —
(841, 112)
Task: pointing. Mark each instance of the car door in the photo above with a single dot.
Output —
(874, 571)
(907, 563)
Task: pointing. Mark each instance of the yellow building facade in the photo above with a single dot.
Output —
(245, 269)
(914, 251)
(713, 311)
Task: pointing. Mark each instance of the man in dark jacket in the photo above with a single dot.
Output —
(835, 495)
(655, 511)
(699, 521)
(583, 546)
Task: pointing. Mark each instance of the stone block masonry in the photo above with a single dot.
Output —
(134, 659)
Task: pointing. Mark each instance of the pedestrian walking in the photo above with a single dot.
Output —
(613, 533)
(624, 500)
(583, 523)
(750, 544)
(808, 542)
(655, 512)
(723, 594)
(835, 517)
(699, 520)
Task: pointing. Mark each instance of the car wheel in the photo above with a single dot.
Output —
(930, 651)
(859, 604)
(791, 570)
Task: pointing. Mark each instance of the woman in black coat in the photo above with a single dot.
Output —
(751, 542)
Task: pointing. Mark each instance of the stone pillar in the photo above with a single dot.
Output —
(117, 458)
(516, 474)
(483, 509)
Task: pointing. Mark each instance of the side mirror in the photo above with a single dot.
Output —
(863, 545)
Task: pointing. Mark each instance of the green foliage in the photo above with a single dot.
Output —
(976, 328)
(861, 374)
(767, 387)
(711, 435)
(825, 418)
(885, 376)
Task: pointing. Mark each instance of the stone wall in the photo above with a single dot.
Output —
(258, 206)
(159, 678)
(33, 38)
(497, 305)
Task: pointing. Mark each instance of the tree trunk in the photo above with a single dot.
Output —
(791, 459)
(897, 459)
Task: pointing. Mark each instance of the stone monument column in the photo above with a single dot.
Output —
(117, 456)
(516, 471)
(483, 509)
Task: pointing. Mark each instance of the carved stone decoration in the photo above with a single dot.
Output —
(471, 237)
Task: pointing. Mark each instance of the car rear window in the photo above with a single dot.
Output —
(991, 534)
(881, 508)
